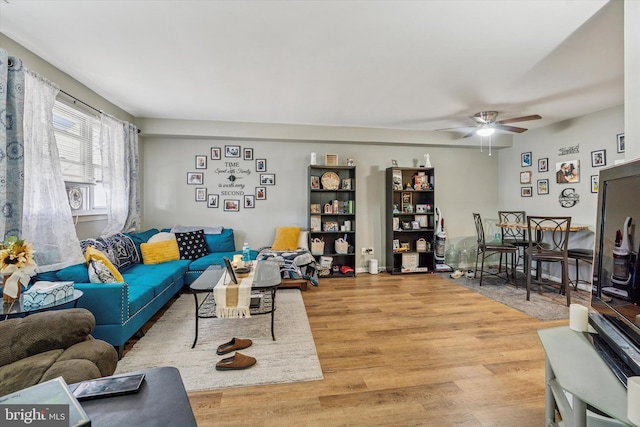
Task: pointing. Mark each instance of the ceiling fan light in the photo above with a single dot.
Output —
(485, 131)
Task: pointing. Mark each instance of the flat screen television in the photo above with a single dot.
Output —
(616, 270)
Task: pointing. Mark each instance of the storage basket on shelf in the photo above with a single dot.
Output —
(317, 246)
(324, 269)
(342, 246)
(421, 245)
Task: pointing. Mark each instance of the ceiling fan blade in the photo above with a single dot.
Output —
(510, 128)
(519, 119)
(456, 128)
(473, 132)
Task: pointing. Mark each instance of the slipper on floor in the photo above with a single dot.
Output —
(233, 345)
(471, 274)
(456, 274)
(235, 362)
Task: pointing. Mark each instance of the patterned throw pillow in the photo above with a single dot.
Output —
(99, 273)
(192, 244)
(120, 249)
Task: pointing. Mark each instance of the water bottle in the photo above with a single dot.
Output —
(246, 252)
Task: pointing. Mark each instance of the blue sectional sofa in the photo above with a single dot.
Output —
(122, 308)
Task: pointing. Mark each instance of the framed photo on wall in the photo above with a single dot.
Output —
(201, 162)
(595, 183)
(525, 177)
(261, 165)
(215, 153)
(620, 142)
(526, 192)
(267, 179)
(201, 194)
(231, 205)
(249, 201)
(212, 201)
(261, 194)
(525, 159)
(232, 151)
(598, 158)
(195, 178)
(568, 171)
(543, 186)
(543, 165)
(247, 154)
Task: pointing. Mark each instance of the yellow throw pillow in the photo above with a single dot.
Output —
(286, 239)
(93, 253)
(158, 252)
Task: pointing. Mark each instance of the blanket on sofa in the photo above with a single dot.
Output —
(298, 264)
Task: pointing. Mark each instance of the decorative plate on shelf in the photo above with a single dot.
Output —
(75, 198)
(330, 181)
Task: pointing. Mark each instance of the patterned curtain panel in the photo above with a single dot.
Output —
(47, 220)
(11, 144)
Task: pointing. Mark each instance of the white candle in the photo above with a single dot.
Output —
(637, 320)
(578, 317)
(633, 400)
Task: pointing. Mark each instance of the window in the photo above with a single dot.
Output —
(77, 137)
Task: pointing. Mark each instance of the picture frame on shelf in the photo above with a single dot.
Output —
(525, 159)
(347, 184)
(407, 200)
(315, 223)
(267, 179)
(526, 192)
(331, 160)
(215, 153)
(201, 194)
(232, 151)
(201, 162)
(261, 194)
(598, 158)
(212, 200)
(410, 261)
(423, 220)
(420, 208)
(396, 244)
(261, 165)
(620, 143)
(415, 225)
(525, 177)
(232, 205)
(396, 223)
(543, 164)
(315, 182)
(406, 225)
(314, 208)
(595, 183)
(195, 178)
(396, 178)
(543, 186)
(330, 226)
(405, 245)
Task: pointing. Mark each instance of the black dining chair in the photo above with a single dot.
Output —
(514, 236)
(552, 248)
(487, 249)
(578, 254)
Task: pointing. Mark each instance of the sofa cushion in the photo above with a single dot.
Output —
(223, 242)
(100, 273)
(158, 252)
(139, 296)
(161, 237)
(92, 253)
(76, 273)
(120, 249)
(286, 239)
(191, 244)
(142, 237)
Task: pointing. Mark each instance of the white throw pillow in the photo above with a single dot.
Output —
(303, 240)
(161, 237)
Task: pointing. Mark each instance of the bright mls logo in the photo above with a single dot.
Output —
(34, 415)
(568, 198)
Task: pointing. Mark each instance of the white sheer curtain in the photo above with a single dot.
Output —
(46, 218)
(115, 173)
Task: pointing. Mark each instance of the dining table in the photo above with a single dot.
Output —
(523, 225)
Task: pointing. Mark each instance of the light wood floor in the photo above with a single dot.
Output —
(401, 351)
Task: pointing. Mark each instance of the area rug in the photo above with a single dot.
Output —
(548, 304)
(291, 358)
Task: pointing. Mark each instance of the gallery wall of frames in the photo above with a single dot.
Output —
(230, 177)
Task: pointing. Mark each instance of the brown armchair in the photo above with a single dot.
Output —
(51, 344)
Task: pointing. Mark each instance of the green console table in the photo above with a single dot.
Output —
(574, 366)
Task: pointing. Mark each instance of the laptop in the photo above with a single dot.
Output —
(109, 386)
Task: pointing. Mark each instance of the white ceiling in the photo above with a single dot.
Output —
(381, 64)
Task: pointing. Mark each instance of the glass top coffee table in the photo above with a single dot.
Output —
(266, 280)
(19, 307)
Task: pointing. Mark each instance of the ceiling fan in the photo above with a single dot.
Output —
(487, 123)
